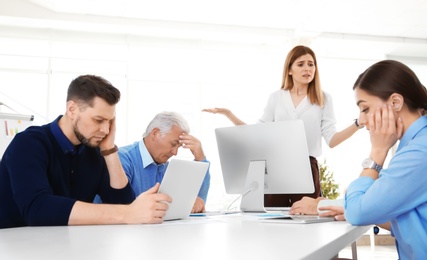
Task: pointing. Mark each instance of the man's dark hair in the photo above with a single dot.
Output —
(85, 88)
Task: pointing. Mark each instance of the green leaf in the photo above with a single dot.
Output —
(328, 186)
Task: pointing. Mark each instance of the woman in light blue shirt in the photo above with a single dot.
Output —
(392, 103)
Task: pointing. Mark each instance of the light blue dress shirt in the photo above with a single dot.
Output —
(399, 195)
(143, 173)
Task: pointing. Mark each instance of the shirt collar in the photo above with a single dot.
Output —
(145, 155)
(412, 131)
(66, 146)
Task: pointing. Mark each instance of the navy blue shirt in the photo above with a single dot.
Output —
(42, 175)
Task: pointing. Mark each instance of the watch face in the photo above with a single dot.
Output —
(367, 163)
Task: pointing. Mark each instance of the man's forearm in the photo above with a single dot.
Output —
(118, 178)
(84, 213)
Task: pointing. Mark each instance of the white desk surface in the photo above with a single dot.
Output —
(235, 236)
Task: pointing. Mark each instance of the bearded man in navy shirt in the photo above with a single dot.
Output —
(50, 174)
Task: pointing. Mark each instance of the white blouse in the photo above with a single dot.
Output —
(318, 121)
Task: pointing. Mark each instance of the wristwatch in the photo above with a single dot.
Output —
(368, 163)
(356, 123)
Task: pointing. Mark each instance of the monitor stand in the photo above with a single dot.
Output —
(253, 196)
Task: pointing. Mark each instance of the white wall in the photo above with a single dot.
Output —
(156, 74)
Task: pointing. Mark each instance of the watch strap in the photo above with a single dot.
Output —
(372, 165)
(377, 167)
(109, 151)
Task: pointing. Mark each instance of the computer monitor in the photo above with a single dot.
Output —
(264, 158)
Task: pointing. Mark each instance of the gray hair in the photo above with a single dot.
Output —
(165, 121)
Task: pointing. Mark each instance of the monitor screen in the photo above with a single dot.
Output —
(281, 145)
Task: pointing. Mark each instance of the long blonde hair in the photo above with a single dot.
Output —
(314, 91)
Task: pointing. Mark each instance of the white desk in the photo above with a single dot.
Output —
(218, 237)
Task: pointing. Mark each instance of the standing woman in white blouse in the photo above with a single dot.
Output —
(301, 97)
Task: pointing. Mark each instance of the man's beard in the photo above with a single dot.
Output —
(81, 137)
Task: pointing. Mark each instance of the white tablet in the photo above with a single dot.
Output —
(298, 219)
(182, 181)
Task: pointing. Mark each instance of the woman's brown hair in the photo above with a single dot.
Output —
(389, 76)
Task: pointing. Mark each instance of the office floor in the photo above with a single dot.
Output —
(379, 252)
